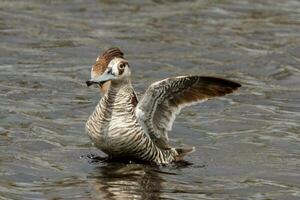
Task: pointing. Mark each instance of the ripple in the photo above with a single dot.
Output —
(247, 144)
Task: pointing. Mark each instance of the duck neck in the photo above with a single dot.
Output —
(119, 91)
(120, 97)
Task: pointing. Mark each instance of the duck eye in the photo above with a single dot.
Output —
(122, 66)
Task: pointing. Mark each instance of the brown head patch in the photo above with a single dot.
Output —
(104, 59)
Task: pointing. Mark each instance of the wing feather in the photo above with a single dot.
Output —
(157, 109)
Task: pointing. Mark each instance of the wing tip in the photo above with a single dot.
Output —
(220, 85)
(222, 81)
(235, 85)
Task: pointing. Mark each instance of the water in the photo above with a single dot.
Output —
(247, 143)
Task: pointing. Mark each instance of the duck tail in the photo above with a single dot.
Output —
(181, 152)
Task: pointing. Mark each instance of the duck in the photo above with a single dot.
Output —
(122, 126)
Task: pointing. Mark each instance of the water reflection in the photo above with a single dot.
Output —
(126, 181)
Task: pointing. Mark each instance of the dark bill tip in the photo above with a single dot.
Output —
(89, 83)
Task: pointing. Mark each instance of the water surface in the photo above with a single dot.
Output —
(247, 144)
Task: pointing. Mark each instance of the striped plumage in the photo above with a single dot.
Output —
(115, 130)
(123, 127)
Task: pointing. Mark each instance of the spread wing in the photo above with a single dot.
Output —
(157, 109)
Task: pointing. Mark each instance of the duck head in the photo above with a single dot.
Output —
(101, 65)
(117, 71)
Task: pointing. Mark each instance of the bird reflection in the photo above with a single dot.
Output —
(126, 181)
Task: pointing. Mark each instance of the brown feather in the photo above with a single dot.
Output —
(134, 100)
(104, 87)
(104, 59)
(204, 88)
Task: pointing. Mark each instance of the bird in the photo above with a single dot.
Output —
(122, 126)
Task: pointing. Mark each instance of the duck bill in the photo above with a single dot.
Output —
(100, 80)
